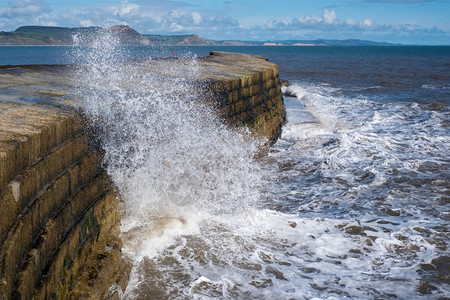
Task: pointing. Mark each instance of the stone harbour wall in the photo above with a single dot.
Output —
(59, 211)
(59, 214)
(246, 90)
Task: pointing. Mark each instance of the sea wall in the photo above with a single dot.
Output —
(246, 90)
(60, 216)
(59, 211)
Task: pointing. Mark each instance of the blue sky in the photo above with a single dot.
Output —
(397, 21)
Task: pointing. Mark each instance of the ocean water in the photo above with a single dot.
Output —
(353, 201)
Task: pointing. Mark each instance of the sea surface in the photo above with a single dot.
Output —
(352, 202)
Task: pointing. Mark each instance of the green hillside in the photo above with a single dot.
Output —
(50, 35)
(42, 35)
(167, 39)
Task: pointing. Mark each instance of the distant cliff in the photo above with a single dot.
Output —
(47, 35)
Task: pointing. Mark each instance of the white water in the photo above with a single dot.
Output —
(319, 218)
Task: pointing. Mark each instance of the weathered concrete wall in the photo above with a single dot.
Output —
(59, 212)
(60, 216)
(246, 89)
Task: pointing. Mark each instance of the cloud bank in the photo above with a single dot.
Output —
(176, 17)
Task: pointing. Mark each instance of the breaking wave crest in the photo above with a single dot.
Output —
(170, 157)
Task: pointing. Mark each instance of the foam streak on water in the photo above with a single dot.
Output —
(352, 202)
(381, 169)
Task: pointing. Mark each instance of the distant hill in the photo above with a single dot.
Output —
(189, 39)
(48, 35)
(323, 42)
(36, 35)
(156, 39)
(128, 36)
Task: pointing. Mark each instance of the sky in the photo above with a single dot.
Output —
(395, 21)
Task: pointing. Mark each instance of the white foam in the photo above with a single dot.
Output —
(191, 189)
(171, 159)
(294, 90)
(268, 253)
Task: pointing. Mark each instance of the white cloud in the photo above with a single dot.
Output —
(328, 21)
(329, 17)
(350, 22)
(306, 20)
(272, 24)
(87, 23)
(128, 9)
(368, 23)
(22, 8)
(330, 26)
(148, 18)
(165, 17)
(25, 12)
(363, 24)
(197, 18)
(45, 20)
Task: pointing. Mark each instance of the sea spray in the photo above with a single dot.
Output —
(344, 217)
(173, 161)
